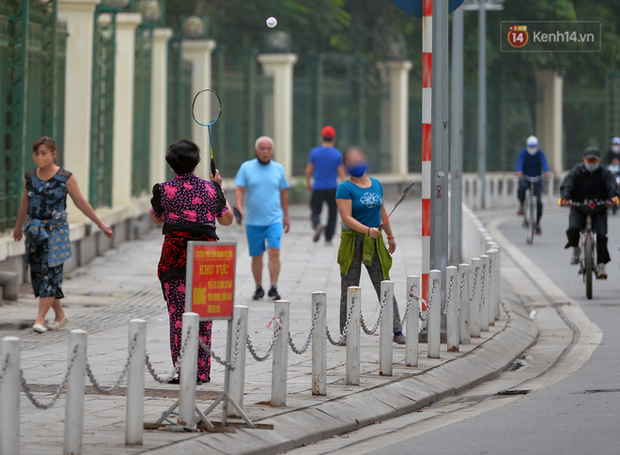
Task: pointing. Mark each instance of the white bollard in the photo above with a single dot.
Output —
(189, 370)
(134, 412)
(492, 302)
(74, 406)
(412, 324)
(474, 305)
(319, 344)
(354, 299)
(280, 355)
(236, 377)
(434, 314)
(452, 309)
(484, 294)
(9, 400)
(464, 314)
(386, 330)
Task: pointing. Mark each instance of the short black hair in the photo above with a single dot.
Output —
(328, 139)
(183, 156)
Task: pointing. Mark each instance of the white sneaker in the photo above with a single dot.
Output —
(39, 328)
(58, 325)
(600, 272)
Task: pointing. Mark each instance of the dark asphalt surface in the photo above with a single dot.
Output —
(563, 418)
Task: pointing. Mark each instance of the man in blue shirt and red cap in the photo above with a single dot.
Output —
(532, 163)
(325, 167)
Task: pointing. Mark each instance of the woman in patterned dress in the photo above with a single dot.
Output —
(43, 219)
(188, 207)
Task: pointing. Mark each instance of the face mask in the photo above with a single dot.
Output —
(591, 167)
(358, 170)
(264, 163)
(615, 148)
(532, 150)
(614, 169)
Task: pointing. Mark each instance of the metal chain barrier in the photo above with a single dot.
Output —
(410, 298)
(117, 384)
(475, 283)
(171, 376)
(308, 340)
(482, 281)
(233, 363)
(39, 404)
(343, 336)
(431, 295)
(448, 295)
(252, 350)
(461, 289)
(376, 327)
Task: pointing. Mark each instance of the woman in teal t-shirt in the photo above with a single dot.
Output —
(360, 203)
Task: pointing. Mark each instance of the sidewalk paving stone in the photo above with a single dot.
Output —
(103, 296)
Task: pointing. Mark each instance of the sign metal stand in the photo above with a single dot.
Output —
(208, 263)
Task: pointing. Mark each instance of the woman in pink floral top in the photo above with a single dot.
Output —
(188, 207)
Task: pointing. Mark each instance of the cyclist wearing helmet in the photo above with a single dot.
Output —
(532, 162)
(589, 180)
(613, 152)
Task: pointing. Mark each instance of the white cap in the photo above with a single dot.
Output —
(615, 140)
(532, 141)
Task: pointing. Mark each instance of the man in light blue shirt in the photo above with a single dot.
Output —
(266, 211)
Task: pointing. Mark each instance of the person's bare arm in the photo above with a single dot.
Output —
(388, 230)
(286, 223)
(239, 194)
(82, 204)
(155, 219)
(309, 172)
(18, 232)
(228, 217)
(345, 208)
(341, 173)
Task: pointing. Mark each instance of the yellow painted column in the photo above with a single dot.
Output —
(159, 105)
(280, 67)
(79, 17)
(126, 24)
(199, 53)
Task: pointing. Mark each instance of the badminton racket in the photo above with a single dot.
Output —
(206, 111)
(400, 199)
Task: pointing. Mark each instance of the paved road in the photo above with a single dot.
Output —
(577, 415)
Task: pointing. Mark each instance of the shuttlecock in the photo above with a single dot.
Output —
(272, 22)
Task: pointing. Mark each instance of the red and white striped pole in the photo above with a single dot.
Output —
(427, 88)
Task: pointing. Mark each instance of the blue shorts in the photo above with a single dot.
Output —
(257, 235)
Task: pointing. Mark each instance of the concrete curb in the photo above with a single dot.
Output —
(345, 414)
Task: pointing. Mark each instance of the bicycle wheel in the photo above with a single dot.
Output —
(529, 226)
(532, 219)
(589, 264)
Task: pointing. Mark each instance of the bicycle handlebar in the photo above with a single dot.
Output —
(590, 204)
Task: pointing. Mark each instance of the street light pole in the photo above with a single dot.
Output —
(482, 100)
(456, 137)
(482, 6)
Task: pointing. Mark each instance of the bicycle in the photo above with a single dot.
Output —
(587, 241)
(530, 208)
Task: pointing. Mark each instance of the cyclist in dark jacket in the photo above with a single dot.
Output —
(588, 181)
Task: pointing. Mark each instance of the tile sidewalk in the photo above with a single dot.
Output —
(122, 284)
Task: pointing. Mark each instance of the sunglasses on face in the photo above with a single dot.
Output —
(592, 160)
